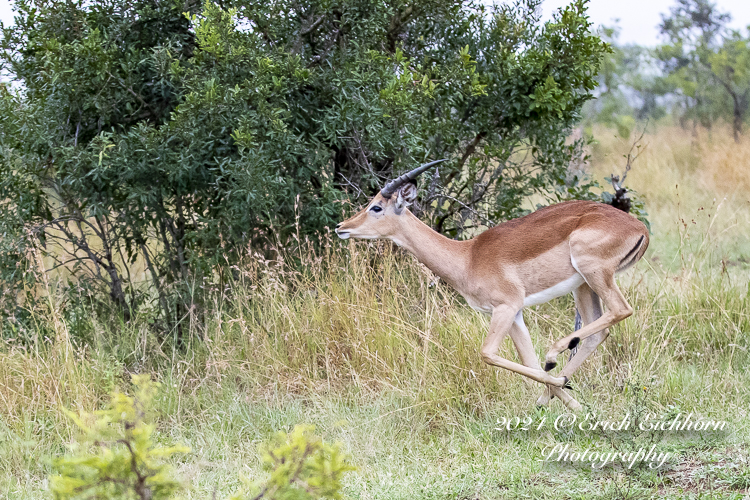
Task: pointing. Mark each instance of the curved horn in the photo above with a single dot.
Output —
(396, 183)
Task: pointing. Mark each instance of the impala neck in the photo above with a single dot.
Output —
(445, 257)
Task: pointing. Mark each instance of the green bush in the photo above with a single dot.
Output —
(144, 145)
(302, 467)
(116, 458)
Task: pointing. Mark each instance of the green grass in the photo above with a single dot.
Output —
(366, 346)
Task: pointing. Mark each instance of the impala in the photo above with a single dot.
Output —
(575, 246)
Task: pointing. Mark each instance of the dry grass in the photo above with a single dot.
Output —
(367, 345)
(695, 185)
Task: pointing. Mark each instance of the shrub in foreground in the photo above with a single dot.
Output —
(116, 458)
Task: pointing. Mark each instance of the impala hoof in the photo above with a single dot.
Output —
(574, 405)
(544, 400)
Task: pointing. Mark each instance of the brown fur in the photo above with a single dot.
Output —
(532, 258)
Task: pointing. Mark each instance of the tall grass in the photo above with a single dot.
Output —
(367, 344)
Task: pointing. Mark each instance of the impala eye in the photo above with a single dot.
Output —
(376, 209)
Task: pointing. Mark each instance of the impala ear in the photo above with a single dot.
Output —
(406, 196)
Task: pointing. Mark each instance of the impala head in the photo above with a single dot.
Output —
(381, 217)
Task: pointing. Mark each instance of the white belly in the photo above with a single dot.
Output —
(561, 288)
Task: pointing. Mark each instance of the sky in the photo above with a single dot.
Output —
(638, 18)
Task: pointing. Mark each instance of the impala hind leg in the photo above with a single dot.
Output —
(589, 307)
(577, 325)
(520, 336)
(597, 255)
(617, 310)
(503, 318)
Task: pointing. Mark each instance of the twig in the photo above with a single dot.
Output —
(489, 222)
(359, 191)
(630, 159)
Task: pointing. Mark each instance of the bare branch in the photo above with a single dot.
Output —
(313, 26)
(350, 183)
(467, 153)
(489, 222)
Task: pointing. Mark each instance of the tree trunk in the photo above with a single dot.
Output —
(116, 292)
(740, 103)
(737, 125)
(163, 303)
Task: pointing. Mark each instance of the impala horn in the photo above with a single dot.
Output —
(399, 181)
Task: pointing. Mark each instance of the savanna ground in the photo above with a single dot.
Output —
(379, 356)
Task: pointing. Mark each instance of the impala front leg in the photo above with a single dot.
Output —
(520, 336)
(502, 319)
